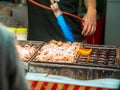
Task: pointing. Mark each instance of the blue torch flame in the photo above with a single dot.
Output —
(65, 28)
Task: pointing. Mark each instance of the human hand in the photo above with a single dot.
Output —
(89, 23)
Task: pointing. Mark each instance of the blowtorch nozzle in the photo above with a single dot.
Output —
(55, 7)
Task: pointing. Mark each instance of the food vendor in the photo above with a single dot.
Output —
(43, 25)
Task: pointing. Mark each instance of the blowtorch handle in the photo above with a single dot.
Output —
(56, 10)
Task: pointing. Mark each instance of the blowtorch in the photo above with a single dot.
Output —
(65, 28)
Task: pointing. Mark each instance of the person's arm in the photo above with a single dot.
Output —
(16, 72)
(89, 24)
(12, 75)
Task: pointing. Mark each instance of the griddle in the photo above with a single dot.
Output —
(80, 70)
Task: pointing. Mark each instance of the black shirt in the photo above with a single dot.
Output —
(42, 23)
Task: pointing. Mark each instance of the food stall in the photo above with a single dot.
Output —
(57, 65)
(72, 66)
(52, 82)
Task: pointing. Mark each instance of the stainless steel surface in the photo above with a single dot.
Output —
(81, 71)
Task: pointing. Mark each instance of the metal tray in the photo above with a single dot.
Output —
(104, 55)
(37, 45)
(81, 72)
(108, 61)
(74, 58)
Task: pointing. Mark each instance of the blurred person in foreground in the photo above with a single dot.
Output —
(43, 25)
(11, 72)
